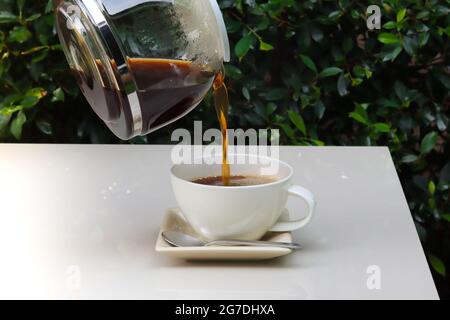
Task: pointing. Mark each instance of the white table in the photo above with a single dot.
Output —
(81, 222)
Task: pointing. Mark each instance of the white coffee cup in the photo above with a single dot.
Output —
(243, 212)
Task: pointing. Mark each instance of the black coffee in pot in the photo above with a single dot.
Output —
(168, 89)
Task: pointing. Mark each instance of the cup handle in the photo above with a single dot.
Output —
(308, 197)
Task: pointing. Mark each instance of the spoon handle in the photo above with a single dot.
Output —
(293, 246)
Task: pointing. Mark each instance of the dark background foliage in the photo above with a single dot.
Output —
(310, 68)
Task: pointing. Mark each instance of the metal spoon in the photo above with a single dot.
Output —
(178, 239)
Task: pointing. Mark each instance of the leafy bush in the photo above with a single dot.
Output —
(309, 67)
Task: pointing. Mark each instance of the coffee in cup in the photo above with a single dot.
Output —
(236, 181)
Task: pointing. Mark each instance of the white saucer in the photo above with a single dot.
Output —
(175, 221)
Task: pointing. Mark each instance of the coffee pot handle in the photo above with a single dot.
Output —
(308, 197)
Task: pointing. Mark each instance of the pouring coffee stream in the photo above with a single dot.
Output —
(222, 108)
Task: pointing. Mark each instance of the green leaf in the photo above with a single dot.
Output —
(20, 5)
(17, 125)
(232, 71)
(442, 10)
(334, 15)
(358, 117)
(355, 14)
(410, 44)
(29, 102)
(442, 31)
(319, 109)
(263, 46)
(243, 46)
(33, 17)
(342, 85)
(19, 34)
(308, 62)
(444, 176)
(401, 15)
(316, 33)
(428, 142)
(390, 103)
(276, 94)
(8, 17)
(388, 38)
(357, 81)
(4, 122)
(392, 55)
(437, 264)
(347, 44)
(431, 187)
(421, 231)
(360, 114)
(423, 38)
(33, 50)
(45, 127)
(410, 158)
(303, 36)
(271, 108)
(422, 14)
(359, 71)
(390, 25)
(8, 111)
(40, 56)
(49, 7)
(297, 120)
(56, 47)
(36, 92)
(246, 93)
(329, 72)
(446, 217)
(317, 143)
(382, 127)
(442, 121)
(58, 95)
(287, 130)
(400, 90)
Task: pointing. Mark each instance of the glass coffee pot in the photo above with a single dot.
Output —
(142, 64)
